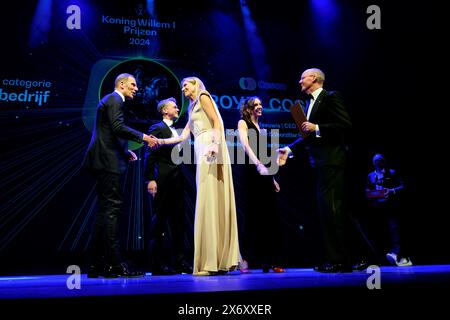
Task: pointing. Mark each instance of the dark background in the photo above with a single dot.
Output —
(390, 80)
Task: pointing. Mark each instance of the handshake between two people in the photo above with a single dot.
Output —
(152, 141)
(283, 154)
(307, 128)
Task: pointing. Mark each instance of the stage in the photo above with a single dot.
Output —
(257, 293)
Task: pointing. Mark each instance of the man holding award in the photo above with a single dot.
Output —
(323, 130)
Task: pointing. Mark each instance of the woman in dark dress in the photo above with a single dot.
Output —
(262, 219)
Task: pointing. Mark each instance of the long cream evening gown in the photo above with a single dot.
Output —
(215, 230)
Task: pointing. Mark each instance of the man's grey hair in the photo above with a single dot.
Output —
(320, 76)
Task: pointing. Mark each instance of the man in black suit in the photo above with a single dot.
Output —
(165, 183)
(326, 127)
(107, 158)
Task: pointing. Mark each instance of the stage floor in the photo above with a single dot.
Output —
(296, 288)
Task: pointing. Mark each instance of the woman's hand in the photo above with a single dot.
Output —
(276, 185)
(262, 170)
(213, 150)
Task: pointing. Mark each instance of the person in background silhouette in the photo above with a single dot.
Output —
(384, 190)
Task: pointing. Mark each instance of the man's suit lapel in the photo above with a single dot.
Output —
(317, 104)
(167, 133)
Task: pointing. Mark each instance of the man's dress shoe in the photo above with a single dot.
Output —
(163, 271)
(121, 271)
(333, 268)
(184, 267)
(360, 265)
(95, 271)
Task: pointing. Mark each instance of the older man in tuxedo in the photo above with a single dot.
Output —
(324, 142)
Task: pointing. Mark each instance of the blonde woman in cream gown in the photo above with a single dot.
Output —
(215, 230)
